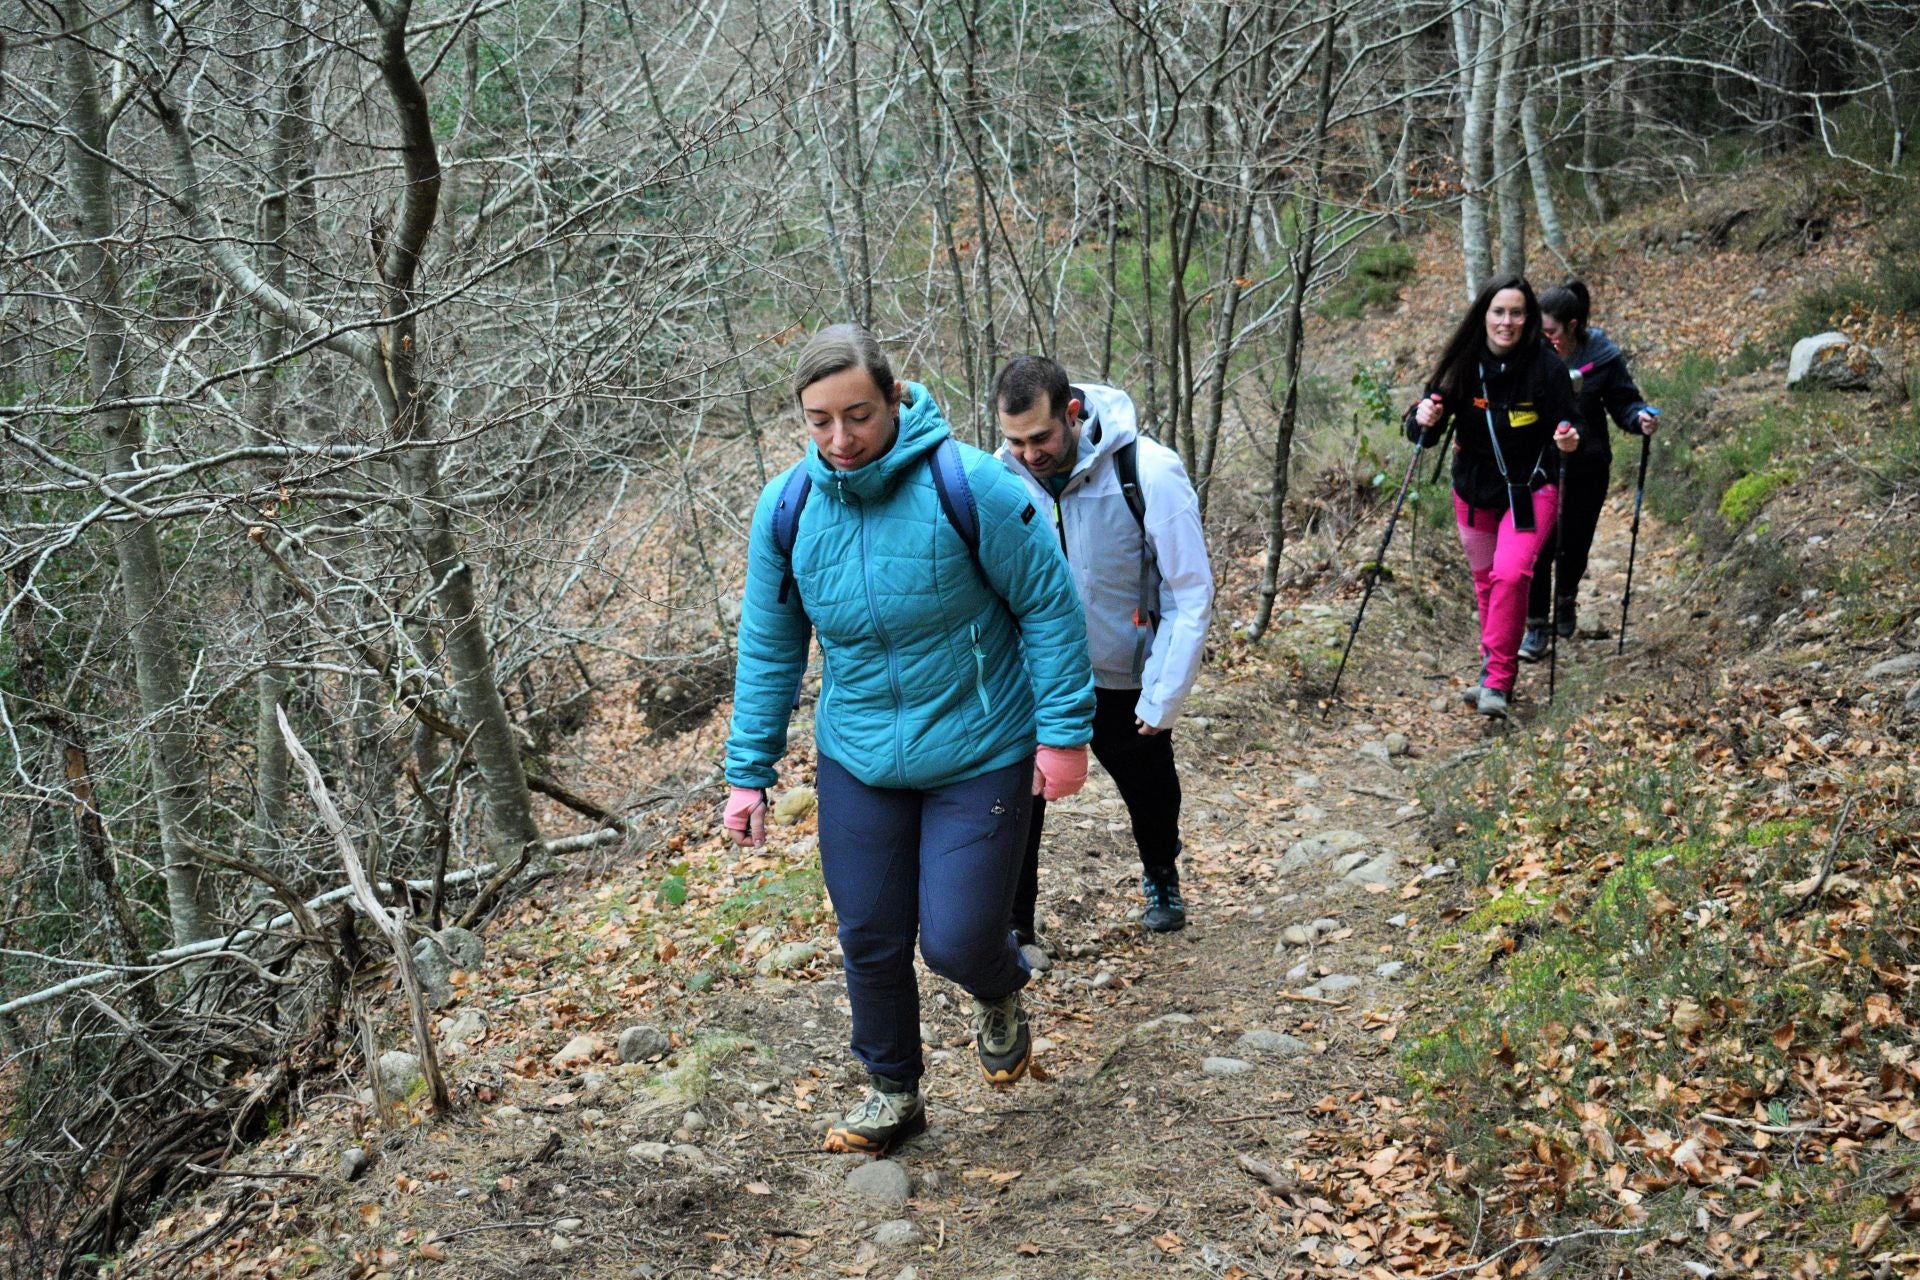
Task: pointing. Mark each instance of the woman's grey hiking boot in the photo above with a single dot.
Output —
(1533, 645)
(1492, 704)
(891, 1113)
(1166, 909)
(1000, 1034)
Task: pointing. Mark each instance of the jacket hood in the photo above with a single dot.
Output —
(922, 428)
(1108, 421)
(1597, 350)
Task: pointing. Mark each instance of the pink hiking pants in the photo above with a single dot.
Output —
(1502, 560)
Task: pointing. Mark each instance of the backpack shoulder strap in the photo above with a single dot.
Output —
(1126, 465)
(956, 495)
(786, 521)
(1146, 617)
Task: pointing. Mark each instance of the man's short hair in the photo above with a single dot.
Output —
(1024, 379)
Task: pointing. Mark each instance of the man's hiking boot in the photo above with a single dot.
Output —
(1166, 911)
(1034, 949)
(891, 1113)
(1493, 704)
(1000, 1034)
(1533, 645)
(1563, 620)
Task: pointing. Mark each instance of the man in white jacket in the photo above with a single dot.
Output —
(1129, 524)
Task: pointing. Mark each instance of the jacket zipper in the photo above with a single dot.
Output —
(980, 672)
(879, 629)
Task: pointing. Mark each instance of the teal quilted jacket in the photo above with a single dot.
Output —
(932, 674)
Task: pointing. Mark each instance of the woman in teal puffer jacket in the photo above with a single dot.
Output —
(957, 685)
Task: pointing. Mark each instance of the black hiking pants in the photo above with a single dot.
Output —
(1141, 766)
(1582, 496)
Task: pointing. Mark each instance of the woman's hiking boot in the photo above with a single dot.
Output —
(1000, 1034)
(891, 1113)
(1533, 645)
(1563, 620)
(1492, 704)
(1166, 910)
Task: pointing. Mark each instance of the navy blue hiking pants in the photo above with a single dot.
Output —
(940, 864)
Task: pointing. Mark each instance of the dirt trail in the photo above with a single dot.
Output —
(1152, 1137)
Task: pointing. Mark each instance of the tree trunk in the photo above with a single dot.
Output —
(1590, 124)
(266, 426)
(496, 751)
(1476, 251)
(179, 796)
(1540, 174)
(1506, 157)
(1302, 262)
(853, 168)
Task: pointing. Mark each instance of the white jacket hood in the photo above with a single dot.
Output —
(1103, 543)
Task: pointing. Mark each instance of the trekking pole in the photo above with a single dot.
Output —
(1557, 570)
(1440, 461)
(1633, 546)
(1373, 573)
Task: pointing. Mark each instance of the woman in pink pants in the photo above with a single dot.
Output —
(1512, 406)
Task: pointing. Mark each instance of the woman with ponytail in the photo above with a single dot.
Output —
(1515, 416)
(1605, 389)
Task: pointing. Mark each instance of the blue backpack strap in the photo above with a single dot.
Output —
(956, 496)
(786, 521)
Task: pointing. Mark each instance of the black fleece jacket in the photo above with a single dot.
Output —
(1606, 390)
(1523, 399)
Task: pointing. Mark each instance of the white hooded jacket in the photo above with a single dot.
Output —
(1102, 542)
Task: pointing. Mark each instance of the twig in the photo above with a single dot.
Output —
(1376, 793)
(1826, 863)
(1549, 1241)
(1755, 1125)
(494, 1226)
(206, 1172)
(1250, 1117)
(1295, 995)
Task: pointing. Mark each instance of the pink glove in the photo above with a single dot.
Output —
(1059, 771)
(747, 814)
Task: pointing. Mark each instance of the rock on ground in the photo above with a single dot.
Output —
(1226, 1066)
(637, 1044)
(898, 1233)
(1893, 668)
(1832, 360)
(438, 955)
(1380, 870)
(882, 1181)
(788, 957)
(399, 1072)
(1262, 1041)
(462, 1028)
(577, 1052)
